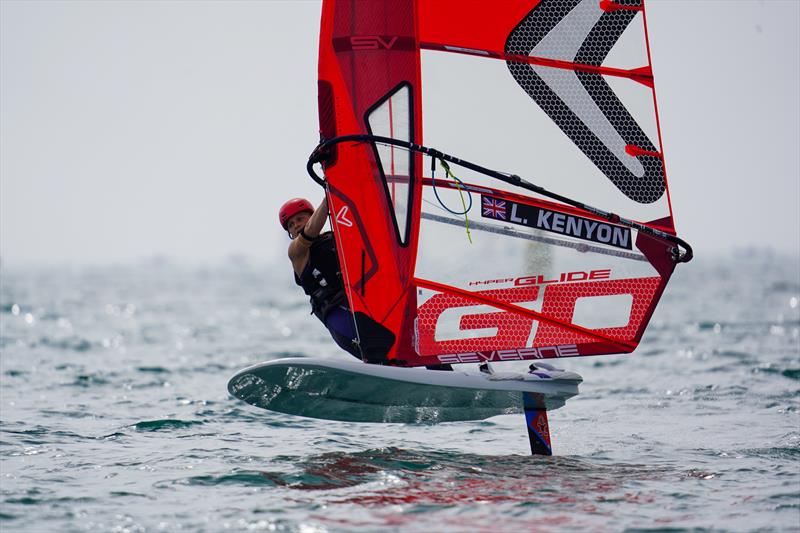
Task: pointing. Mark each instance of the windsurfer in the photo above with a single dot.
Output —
(317, 270)
(315, 262)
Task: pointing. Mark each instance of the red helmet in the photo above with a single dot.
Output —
(292, 207)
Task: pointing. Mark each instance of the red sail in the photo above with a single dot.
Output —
(456, 266)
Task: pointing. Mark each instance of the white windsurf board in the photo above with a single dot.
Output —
(358, 392)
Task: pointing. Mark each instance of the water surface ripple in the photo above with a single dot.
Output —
(114, 416)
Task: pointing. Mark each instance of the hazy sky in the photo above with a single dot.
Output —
(130, 129)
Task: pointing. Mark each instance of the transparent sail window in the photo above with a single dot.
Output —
(392, 118)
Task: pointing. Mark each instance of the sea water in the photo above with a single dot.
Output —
(115, 417)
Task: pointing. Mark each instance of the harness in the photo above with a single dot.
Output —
(321, 278)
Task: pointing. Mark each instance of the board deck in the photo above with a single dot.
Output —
(357, 392)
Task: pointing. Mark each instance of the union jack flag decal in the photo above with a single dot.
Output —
(494, 208)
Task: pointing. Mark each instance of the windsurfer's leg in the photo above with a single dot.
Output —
(340, 324)
(340, 320)
(374, 342)
(346, 344)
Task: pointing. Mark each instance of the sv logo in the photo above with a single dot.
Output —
(372, 42)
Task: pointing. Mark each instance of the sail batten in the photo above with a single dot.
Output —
(643, 75)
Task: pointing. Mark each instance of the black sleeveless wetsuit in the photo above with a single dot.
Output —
(321, 280)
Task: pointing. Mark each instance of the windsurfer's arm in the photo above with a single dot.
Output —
(299, 253)
(317, 221)
(299, 247)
